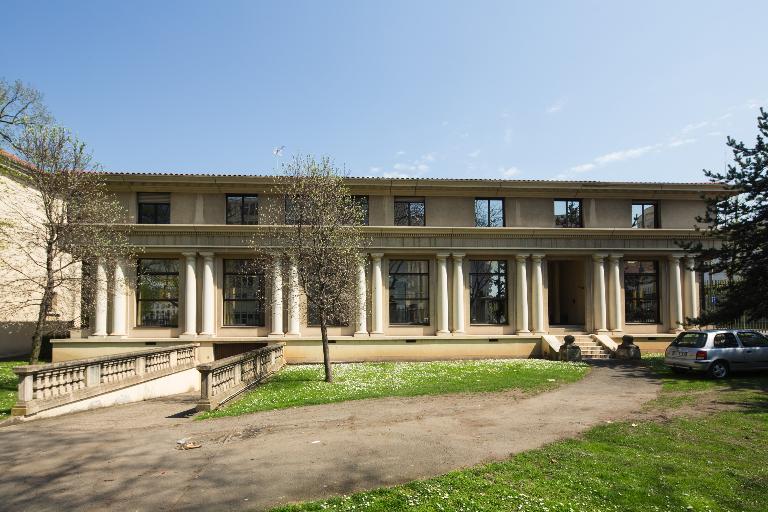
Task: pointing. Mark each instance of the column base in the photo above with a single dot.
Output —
(601, 331)
(443, 333)
(276, 335)
(360, 334)
(458, 333)
(98, 336)
(187, 336)
(118, 336)
(524, 331)
(206, 335)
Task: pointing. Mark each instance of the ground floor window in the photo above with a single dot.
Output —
(488, 291)
(409, 292)
(641, 292)
(158, 292)
(243, 293)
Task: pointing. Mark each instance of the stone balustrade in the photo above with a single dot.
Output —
(46, 386)
(223, 379)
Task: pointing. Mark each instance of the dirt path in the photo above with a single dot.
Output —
(123, 458)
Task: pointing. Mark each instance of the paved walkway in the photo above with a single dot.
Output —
(123, 458)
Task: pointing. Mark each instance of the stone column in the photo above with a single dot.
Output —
(537, 293)
(521, 295)
(190, 295)
(100, 323)
(442, 295)
(614, 291)
(377, 291)
(362, 299)
(208, 328)
(277, 298)
(675, 294)
(294, 328)
(691, 289)
(458, 293)
(598, 292)
(119, 303)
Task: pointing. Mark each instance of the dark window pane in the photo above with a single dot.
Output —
(481, 213)
(496, 213)
(243, 292)
(752, 339)
(488, 292)
(401, 214)
(417, 214)
(641, 291)
(158, 292)
(409, 292)
(409, 212)
(644, 215)
(163, 214)
(147, 214)
(234, 209)
(250, 210)
(567, 213)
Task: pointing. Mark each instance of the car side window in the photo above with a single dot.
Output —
(753, 339)
(725, 340)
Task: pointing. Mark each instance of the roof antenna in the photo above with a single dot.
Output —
(278, 152)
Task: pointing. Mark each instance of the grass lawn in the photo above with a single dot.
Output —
(8, 387)
(711, 462)
(298, 385)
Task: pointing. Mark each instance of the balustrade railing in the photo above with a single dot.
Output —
(46, 386)
(223, 379)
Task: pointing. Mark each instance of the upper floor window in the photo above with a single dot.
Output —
(488, 291)
(154, 207)
(409, 292)
(645, 214)
(158, 292)
(641, 292)
(568, 213)
(242, 209)
(362, 202)
(409, 211)
(243, 293)
(291, 212)
(489, 213)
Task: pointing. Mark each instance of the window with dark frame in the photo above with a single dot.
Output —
(488, 291)
(408, 292)
(489, 212)
(154, 208)
(291, 215)
(243, 293)
(362, 202)
(157, 293)
(242, 209)
(410, 211)
(568, 213)
(645, 214)
(641, 292)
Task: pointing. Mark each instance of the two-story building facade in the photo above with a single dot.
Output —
(455, 268)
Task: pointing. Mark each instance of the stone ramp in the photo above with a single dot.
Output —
(124, 458)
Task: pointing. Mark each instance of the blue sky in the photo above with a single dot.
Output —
(637, 91)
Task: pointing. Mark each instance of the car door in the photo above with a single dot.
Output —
(726, 346)
(755, 349)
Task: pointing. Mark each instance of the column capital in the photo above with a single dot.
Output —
(458, 255)
(442, 255)
(537, 257)
(675, 256)
(615, 257)
(206, 254)
(377, 255)
(521, 257)
(599, 257)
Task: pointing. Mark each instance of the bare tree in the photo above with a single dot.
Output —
(59, 215)
(21, 107)
(323, 239)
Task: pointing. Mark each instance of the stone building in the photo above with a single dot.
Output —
(456, 268)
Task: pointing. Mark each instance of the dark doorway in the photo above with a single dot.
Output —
(222, 350)
(566, 292)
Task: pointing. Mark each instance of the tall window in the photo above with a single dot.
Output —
(645, 215)
(291, 213)
(243, 293)
(154, 208)
(641, 292)
(488, 291)
(409, 211)
(568, 213)
(489, 213)
(409, 292)
(242, 209)
(158, 293)
(362, 202)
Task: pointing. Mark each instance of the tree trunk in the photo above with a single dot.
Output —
(326, 351)
(45, 306)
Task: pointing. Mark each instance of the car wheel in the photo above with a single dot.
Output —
(719, 370)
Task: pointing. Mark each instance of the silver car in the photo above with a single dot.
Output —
(718, 351)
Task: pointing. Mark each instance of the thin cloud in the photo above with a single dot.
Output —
(582, 168)
(624, 154)
(556, 107)
(694, 126)
(509, 171)
(414, 169)
(474, 154)
(681, 142)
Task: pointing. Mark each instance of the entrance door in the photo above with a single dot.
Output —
(566, 292)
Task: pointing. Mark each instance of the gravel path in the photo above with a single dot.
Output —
(124, 458)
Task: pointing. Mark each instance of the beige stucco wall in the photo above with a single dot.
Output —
(681, 214)
(530, 212)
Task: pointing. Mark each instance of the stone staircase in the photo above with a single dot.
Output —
(590, 348)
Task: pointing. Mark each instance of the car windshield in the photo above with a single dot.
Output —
(690, 339)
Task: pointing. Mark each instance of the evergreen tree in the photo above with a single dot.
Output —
(739, 220)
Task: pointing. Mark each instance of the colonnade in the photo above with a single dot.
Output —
(527, 309)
